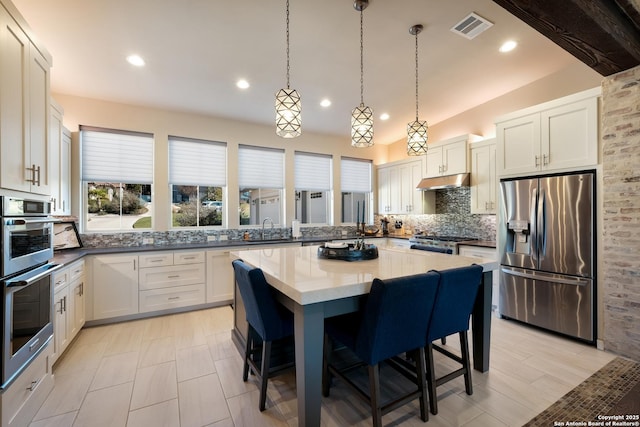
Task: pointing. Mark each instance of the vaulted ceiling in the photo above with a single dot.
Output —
(604, 34)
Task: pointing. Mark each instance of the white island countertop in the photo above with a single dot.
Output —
(301, 275)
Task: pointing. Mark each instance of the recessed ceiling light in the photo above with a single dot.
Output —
(508, 46)
(242, 84)
(384, 116)
(135, 60)
(325, 103)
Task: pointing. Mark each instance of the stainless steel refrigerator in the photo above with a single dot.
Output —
(546, 232)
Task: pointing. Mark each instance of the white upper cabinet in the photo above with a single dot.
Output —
(448, 157)
(24, 110)
(484, 180)
(59, 162)
(397, 193)
(555, 136)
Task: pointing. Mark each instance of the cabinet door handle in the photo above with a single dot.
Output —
(545, 159)
(53, 200)
(34, 384)
(134, 264)
(81, 288)
(537, 161)
(61, 308)
(173, 298)
(38, 173)
(65, 303)
(174, 276)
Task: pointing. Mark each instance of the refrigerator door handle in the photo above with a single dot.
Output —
(534, 225)
(554, 278)
(541, 227)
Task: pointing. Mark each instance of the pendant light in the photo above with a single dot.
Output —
(361, 116)
(416, 130)
(288, 106)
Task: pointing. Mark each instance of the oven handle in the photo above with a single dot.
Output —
(21, 282)
(23, 221)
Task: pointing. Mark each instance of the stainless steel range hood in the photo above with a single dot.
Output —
(440, 182)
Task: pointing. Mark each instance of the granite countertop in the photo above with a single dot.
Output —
(67, 256)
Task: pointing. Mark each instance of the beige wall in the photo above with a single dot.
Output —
(480, 120)
(83, 111)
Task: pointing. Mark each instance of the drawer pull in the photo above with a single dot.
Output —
(34, 385)
(175, 276)
(189, 257)
(156, 260)
(173, 298)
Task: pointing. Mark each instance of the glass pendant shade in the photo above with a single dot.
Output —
(288, 113)
(417, 138)
(362, 127)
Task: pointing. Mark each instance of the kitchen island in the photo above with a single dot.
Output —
(314, 289)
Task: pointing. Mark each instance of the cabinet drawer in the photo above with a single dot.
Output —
(23, 398)
(157, 259)
(163, 299)
(188, 257)
(60, 278)
(76, 270)
(166, 277)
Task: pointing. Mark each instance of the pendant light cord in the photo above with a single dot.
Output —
(416, 76)
(288, 44)
(361, 62)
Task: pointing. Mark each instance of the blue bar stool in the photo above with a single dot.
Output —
(394, 320)
(451, 313)
(268, 321)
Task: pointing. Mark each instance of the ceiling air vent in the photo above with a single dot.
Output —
(471, 26)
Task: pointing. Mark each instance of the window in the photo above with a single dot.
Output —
(117, 179)
(355, 178)
(261, 182)
(313, 188)
(198, 180)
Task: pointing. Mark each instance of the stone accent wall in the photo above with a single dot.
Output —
(621, 212)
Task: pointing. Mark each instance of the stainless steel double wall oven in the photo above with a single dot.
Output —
(25, 273)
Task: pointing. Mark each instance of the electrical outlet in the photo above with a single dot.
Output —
(211, 238)
(224, 237)
(344, 233)
(147, 241)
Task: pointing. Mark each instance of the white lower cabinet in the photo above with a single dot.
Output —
(68, 306)
(219, 276)
(22, 399)
(178, 282)
(115, 285)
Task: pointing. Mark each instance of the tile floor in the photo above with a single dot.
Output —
(183, 370)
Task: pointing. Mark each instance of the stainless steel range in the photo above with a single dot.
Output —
(447, 244)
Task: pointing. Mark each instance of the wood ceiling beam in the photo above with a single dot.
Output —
(603, 34)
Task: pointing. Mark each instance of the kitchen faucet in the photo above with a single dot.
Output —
(265, 220)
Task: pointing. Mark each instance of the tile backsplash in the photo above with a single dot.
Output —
(453, 217)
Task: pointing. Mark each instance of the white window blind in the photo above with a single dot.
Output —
(114, 156)
(312, 172)
(197, 162)
(260, 167)
(355, 175)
